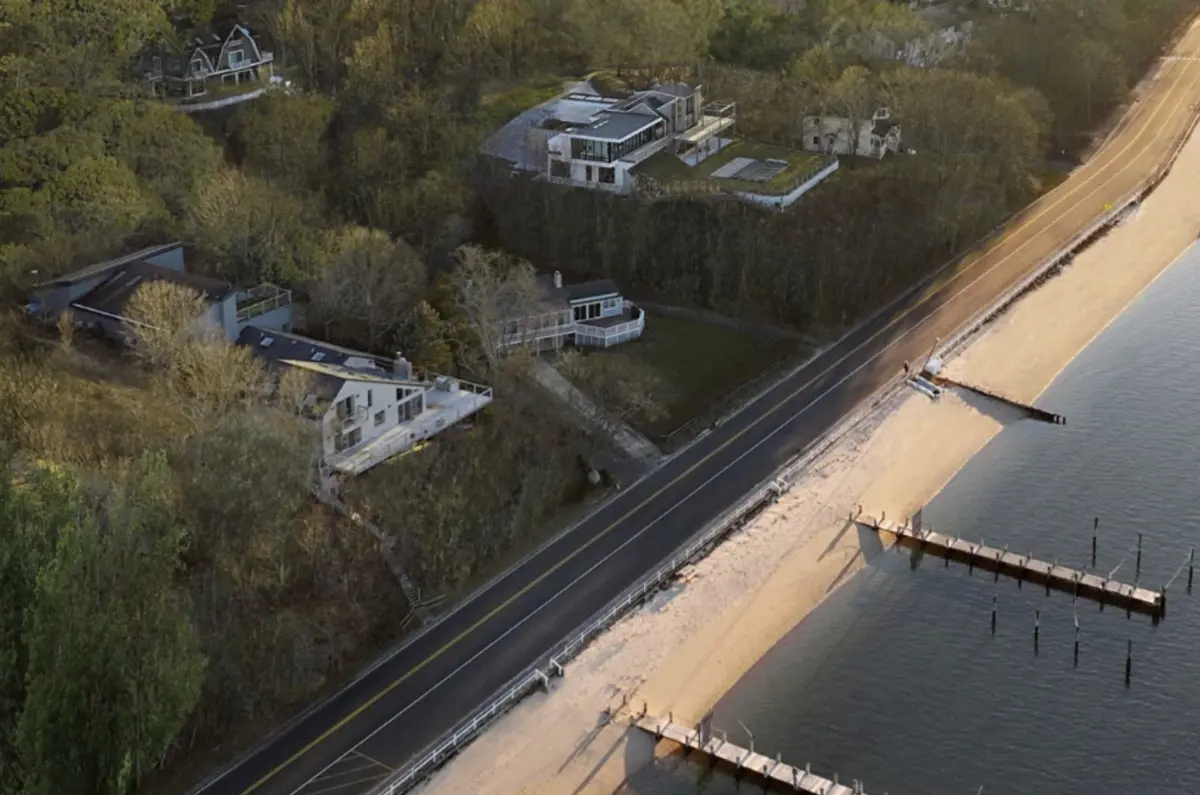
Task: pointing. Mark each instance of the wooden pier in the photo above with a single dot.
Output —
(1026, 568)
(744, 761)
(1032, 411)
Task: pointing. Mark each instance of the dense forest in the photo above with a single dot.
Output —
(167, 585)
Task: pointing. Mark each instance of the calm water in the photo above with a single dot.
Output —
(897, 680)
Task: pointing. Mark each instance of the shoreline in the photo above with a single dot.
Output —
(689, 645)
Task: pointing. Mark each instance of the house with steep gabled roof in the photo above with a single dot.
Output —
(223, 58)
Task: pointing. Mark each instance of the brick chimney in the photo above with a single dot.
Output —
(558, 280)
(402, 367)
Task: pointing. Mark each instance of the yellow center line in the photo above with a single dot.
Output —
(758, 420)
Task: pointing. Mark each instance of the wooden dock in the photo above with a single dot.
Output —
(1032, 411)
(744, 761)
(1026, 568)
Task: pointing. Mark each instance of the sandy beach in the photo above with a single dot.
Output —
(685, 649)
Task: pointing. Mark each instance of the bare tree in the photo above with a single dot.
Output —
(368, 285)
(219, 378)
(66, 328)
(166, 319)
(293, 390)
(498, 298)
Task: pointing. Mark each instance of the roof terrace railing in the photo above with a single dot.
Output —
(261, 300)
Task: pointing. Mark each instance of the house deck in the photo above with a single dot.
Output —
(443, 408)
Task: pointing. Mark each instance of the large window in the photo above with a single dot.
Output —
(611, 151)
(560, 168)
(588, 149)
(344, 441)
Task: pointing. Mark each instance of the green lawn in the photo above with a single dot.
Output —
(666, 168)
(501, 102)
(704, 364)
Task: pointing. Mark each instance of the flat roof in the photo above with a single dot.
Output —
(617, 126)
(578, 108)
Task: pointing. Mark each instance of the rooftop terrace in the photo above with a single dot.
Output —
(768, 170)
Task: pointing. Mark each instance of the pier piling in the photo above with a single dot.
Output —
(1076, 641)
(1037, 628)
(1137, 568)
(1128, 662)
(1099, 587)
(993, 612)
(1095, 529)
(1191, 565)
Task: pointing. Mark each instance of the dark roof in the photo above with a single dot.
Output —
(324, 360)
(651, 102)
(576, 292)
(675, 89)
(277, 346)
(100, 268)
(884, 126)
(592, 289)
(616, 125)
(111, 296)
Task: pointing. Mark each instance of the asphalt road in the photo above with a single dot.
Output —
(353, 740)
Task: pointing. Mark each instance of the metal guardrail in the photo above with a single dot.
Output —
(534, 677)
(730, 521)
(1080, 241)
(724, 525)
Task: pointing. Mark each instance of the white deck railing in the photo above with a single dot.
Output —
(443, 408)
(609, 335)
(534, 335)
(233, 99)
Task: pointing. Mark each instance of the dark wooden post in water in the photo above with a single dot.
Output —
(1128, 662)
(1077, 641)
(1095, 528)
(993, 614)
(1137, 569)
(1037, 621)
